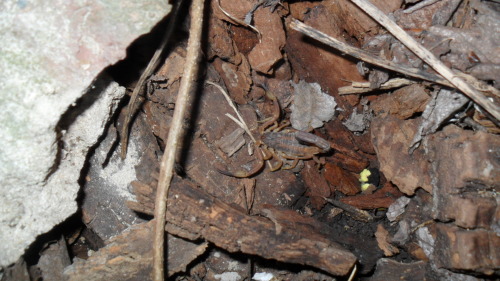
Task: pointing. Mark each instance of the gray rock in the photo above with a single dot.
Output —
(50, 53)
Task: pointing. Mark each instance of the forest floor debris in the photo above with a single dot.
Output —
(434, 212)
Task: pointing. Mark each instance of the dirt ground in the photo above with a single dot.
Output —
(320, 118)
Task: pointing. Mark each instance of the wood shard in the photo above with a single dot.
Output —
(194, 213)
(383, 240)
(404, 271)
(232, 142)
(128, 256)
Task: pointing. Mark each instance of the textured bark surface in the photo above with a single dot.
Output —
(293, 238)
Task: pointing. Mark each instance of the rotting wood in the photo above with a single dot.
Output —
(128, 256)
(192, 213)
(232, 142)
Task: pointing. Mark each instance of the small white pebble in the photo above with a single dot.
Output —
(228, 276)
(263, 276)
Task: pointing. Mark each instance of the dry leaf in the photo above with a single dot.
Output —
(397, 208)
(249, 189)
(437, 111)
(359, 122)
(311, 107)
(383, 239)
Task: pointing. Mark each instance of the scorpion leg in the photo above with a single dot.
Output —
(278, 160)
(276, 167)
(266, 154)
(276, 112)
(280, 127)
(293, 165)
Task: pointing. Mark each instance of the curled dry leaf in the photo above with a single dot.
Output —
(383, 239)
(397, 208)
(359, 122)
(437, 111)
(311, 107)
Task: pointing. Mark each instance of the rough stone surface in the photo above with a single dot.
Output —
(107, 185)
(53, 260)
(49, 55)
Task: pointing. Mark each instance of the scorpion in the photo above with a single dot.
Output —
(282, 144)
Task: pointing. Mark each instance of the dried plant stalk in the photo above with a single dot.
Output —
(175, 134)
(240, 121)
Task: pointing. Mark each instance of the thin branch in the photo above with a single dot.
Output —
(489, 103)
(452, 80)
(364, 87)
(240, 22)
(240, 121)
(353, 273)
(153, 64)
(188, 83)
(241, 125)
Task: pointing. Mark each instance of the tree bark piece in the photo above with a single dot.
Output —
(129, 257)
(463, 249)
(192, 214)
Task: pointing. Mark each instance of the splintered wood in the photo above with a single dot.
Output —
(193, 214)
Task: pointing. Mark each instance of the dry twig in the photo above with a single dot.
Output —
(489, 103)
(153, 64)
(364, 87)
(240, 22)
(240, 121)
(175, 134)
